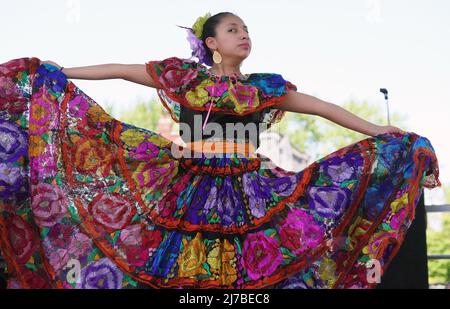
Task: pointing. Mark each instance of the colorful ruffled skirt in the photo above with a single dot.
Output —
(88, 201)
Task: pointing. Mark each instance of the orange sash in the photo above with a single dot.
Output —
(222, 147)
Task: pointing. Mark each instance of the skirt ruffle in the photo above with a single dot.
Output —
(88, 201)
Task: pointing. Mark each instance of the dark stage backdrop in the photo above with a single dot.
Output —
(409, 268)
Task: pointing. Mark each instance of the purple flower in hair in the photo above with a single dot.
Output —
(198, 49)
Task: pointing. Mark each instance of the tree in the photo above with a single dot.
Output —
(318, 136)
(302, 130)
(143, 114)
(438, 242)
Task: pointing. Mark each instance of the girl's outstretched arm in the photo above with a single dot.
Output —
(298, 102)
(131, 72)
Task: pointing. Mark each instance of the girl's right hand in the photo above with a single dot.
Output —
(52, 63)
(388, 129)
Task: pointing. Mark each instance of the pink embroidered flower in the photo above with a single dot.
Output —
(78, 106)
(131, 235)
(44, 165)
(134, 235)
(80, 244)
(57, 257)
(44, 113)
(7, 87)
(299, 232)
(49, 204)
(398, 219)
(174, 75)
(261, 255)
(63, 243)
(218, 89)
(244, 97)
(145, 151)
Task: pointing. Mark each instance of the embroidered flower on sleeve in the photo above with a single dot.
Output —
(199, 96)
(176, 73)
(270, 84)
(244, 97)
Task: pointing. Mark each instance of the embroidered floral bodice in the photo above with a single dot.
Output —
(186, 89)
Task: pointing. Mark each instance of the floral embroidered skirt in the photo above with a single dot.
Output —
(88, 201)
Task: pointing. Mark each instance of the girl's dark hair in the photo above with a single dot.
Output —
(209, 29)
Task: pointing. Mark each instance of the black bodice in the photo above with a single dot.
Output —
(187, 120)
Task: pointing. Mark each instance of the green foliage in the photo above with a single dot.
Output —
(143, 114)
(109, 108)
(438, 242)
(309, 133)
(446, 193)
(302, 130)
(341, 137)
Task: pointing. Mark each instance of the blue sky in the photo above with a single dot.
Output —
(335, 50)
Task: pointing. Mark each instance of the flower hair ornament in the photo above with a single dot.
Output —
(198, 49)
(194, 38)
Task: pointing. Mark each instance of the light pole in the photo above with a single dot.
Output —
(385, 92)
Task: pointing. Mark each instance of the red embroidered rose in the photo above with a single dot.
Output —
(151, 239)
(35, 279)
(356, 278)
(292, 237)
(13, 105)
(86, 129)
(137, 243)
(60, 236)
(10, 100)
(174, 75)
(168, 204)
(112, 211)
(11, 67)
(137, 256)
(135, 235)
(22, 238)
(342, 259)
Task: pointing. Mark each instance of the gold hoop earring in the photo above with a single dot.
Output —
(217, 58)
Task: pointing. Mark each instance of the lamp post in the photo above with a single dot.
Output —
(385, 92)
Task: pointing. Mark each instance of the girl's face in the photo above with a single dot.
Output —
(232, 39)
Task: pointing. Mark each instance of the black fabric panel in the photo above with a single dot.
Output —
(187, 118)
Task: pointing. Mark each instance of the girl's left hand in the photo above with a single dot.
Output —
(388, 129)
